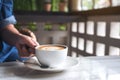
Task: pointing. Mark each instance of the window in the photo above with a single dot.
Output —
(115, 30)
(90, 27)
(74, 27)
(89, 47)
(100, 49)
(101, 29)
(81, 26)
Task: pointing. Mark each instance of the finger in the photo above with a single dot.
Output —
(37, 44)
(33, 36)
(28, 41)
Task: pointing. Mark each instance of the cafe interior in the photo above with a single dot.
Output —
(89, 28)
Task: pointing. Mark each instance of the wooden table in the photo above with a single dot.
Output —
(89, 68)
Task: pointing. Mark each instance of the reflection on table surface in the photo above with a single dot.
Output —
(89, 68)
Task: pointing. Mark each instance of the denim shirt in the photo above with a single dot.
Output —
(6, 13)
(8, 53)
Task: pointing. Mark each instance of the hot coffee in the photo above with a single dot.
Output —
(51, 47)
(52, 55)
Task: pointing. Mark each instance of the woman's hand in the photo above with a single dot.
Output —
(24, 43)
(26, 46)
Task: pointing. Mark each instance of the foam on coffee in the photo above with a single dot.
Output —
(51, 47)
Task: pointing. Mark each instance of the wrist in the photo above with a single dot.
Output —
(10, 34)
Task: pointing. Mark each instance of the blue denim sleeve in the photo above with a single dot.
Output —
(7, 21)
(6, 13)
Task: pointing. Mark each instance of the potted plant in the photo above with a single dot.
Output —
(63, 5)
(47, 5)
(32, 26)
(48, 27)
(76, 5)
(55, 5)
(63, 27)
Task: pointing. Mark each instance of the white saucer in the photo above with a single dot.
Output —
(69, 62)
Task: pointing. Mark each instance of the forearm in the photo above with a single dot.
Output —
(10, 34)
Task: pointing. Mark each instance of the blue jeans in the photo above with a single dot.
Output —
(9, 53)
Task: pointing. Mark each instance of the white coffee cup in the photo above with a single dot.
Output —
(52, 55)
